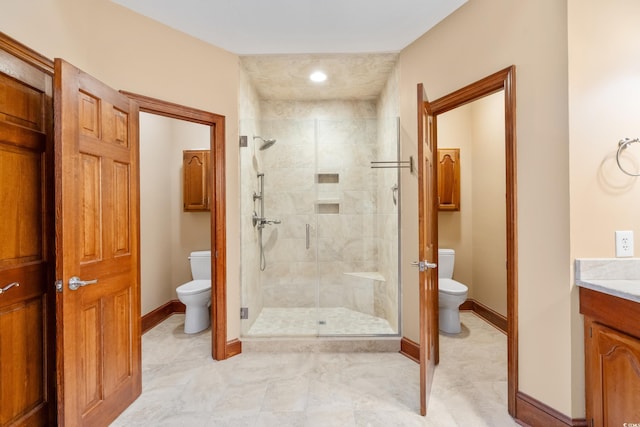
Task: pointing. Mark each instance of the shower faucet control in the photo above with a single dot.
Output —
(261, 222)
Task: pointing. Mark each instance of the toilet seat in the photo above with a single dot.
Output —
(451, 287)
(194, 287)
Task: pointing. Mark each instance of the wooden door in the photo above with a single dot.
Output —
(97, 207)
(27, 382)
(428, 248)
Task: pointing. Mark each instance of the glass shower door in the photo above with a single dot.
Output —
(357, 288)
(329, 267)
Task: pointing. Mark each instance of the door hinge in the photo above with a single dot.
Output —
(591, 336)
(59, 286)
(244, 313)
(592, 422)
(216, 254)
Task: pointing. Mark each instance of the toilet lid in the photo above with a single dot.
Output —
(452, 287)
(194, 287)
(200, 254)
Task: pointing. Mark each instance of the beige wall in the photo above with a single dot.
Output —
(604, 105)
(604, 89)
(482, 37)
(131, 52)
(167, 234)
(478, 231)
(155, 212)
(489, 203)
(455, 229)
(190, 231)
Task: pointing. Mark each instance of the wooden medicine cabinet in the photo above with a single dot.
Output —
(449, 179)
(195, 166)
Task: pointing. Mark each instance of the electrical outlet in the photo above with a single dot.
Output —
(624, 243)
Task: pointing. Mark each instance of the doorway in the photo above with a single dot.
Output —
(220, 348)
(476, 229)
(504, 81)
(168, 233)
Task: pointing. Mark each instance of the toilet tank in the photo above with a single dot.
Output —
(200, 265)
(446, 259)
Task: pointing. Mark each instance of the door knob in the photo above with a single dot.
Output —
(424, 265)
(75, 283)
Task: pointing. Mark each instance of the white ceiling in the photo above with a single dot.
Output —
(280, 40)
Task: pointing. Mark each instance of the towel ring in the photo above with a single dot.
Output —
(622, 144)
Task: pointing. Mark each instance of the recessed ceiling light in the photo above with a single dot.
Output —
(318, 76)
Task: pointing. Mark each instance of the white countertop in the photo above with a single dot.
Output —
(615, 276)
(627, 289)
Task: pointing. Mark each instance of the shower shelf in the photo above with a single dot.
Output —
(371, 275)
(327, 206)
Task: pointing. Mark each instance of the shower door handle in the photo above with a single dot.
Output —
(308, 234)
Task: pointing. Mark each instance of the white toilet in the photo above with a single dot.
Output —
(451, 294)
(196, 294)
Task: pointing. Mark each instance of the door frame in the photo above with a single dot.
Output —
(220, 349)
(501, 80)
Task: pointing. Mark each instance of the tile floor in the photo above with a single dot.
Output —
(183, 386)
(306, 322)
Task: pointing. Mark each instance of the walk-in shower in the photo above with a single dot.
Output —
(333, 259)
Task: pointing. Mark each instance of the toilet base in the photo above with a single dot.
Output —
(196, 319)
(449, 320)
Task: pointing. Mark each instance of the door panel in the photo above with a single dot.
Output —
(97, 196)
(26, 136)
(428, 248)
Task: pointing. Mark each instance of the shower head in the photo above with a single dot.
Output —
(266, 143)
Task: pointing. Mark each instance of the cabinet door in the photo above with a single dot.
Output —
(449, 179)
(615, 377)
(196, 180)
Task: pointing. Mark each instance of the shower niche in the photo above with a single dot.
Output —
(330, 266)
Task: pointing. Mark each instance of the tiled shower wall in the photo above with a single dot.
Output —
(331, 144)
(387, 292)
(249, 168)
(342, 235)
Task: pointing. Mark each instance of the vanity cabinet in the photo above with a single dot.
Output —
(612, 359)
(195, 166)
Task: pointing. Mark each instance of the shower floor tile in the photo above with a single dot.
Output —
(312, 321)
